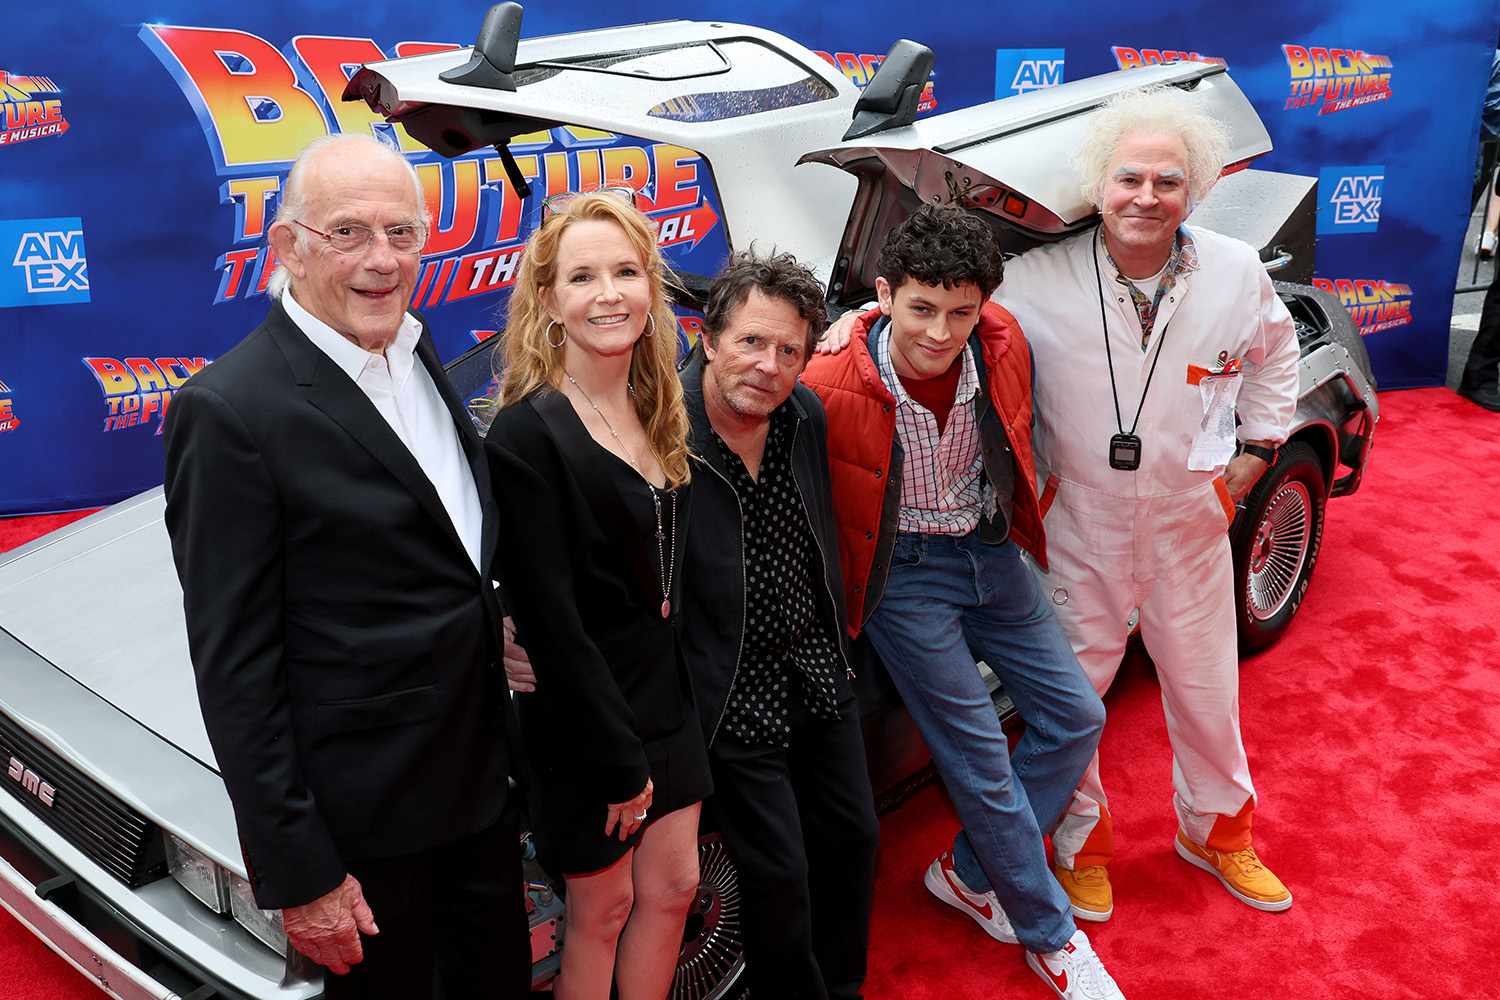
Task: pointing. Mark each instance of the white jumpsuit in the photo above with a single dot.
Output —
(1153, 539)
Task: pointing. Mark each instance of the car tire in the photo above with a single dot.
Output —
(711, 965)
(1275, 542)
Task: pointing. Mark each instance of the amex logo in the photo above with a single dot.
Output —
(1018, 71)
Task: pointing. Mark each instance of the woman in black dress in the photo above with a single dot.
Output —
(590, 466)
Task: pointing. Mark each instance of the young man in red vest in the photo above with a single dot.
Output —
(929, 437)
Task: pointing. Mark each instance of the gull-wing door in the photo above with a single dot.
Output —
(1013, 162)
(726, 107)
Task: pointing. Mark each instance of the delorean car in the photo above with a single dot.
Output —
(117, 843)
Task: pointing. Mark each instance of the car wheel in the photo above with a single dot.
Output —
(1275, 542)
(711, 965)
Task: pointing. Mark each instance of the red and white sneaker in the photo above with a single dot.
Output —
(1075, 972)
(943, 882)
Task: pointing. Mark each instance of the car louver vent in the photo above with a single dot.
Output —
(115, 836)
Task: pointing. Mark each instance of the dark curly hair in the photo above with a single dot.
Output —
(779, 276)
(942, 245)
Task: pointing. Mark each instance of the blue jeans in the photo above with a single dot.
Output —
(950, 600)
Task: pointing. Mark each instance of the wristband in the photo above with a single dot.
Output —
(1267, 455)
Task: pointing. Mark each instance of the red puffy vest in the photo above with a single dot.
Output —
(862, 430)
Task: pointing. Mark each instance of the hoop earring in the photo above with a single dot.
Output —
(561, 340)
(651, 326)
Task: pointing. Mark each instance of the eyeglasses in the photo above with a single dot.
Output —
(555, 204)
(351, 238)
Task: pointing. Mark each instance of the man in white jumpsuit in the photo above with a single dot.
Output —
(1141, 468)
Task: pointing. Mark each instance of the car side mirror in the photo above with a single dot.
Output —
(494, 58)
(890, 99)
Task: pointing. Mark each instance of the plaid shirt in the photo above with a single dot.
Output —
(1184, 258)
(943, 488)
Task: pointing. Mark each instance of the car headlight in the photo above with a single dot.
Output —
(264, 924)
(224, 892)
(192, 870)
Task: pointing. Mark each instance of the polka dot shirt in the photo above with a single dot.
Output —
(789, 648)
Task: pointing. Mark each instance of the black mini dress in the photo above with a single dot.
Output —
(581, 572)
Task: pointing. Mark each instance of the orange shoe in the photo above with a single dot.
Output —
(1241, 872)
(1088, 890)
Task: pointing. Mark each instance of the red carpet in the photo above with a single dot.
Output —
(1372, 730)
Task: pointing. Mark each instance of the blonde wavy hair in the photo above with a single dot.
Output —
(530, 362)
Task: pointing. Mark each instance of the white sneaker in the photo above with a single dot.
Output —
(1075, 972)
(943, 882)
(1487, 244)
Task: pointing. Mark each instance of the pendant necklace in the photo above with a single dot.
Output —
(665, 563)
(1124, 447)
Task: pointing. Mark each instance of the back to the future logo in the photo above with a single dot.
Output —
(8, 419)
(1335, 79)
(30, 108)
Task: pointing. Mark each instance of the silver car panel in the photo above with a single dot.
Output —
(117, 752)
(1028, 143)
(75, 943)
(123, 637)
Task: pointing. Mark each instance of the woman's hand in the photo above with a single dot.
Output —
(518, 671)
(629, 815)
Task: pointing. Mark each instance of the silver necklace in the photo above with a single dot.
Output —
(664, 564)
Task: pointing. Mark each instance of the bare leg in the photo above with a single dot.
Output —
(666, 878)
(598, 906)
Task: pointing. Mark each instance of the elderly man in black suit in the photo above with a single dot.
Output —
(332, 525)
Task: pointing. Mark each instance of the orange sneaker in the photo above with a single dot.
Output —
(1241, 872)
(1088, 890)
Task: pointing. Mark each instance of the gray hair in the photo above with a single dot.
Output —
(1155, 109)
(293, 202)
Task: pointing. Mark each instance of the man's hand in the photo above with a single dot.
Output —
(836, 337)
(1241, 474)
(327, 930)
(629, 815)
(518, 671)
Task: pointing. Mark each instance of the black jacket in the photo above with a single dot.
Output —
(344, 644)
(714, 573)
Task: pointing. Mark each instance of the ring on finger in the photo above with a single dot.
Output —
(641, 816)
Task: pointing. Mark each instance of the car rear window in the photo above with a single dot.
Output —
(758, 79)
(715, 80)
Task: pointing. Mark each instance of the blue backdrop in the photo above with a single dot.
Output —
(142, 146)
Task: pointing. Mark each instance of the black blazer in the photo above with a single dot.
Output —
(582, 580)
(344, 644)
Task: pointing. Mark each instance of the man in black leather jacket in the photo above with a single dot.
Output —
(764, 640)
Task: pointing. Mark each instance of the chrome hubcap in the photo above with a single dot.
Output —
(1278, 550)
(713, 948)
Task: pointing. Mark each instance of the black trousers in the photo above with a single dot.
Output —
(801, 825)
(453, 917)
(1482, 370)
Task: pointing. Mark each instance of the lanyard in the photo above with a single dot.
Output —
(1124, 447)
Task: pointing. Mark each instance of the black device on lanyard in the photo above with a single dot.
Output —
(1124, 447)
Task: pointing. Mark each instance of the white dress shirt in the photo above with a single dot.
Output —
(403, 393)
